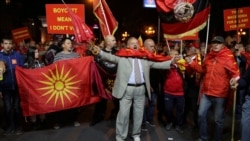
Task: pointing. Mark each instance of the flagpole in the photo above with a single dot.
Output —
(181, 49)
(237, 24)
(106, 22)
(159, 30)
(64, 3)
(168, 46)
(233, 118)
(208, 26)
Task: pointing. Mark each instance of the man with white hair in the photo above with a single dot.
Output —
(131, 83)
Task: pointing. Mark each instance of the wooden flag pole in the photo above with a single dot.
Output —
(233, 120)
(181, 49)
(208, 26)
(168, 46)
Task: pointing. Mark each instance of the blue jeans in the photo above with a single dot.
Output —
(12, 107)
(218, 105)
(149, 109)
(176, 103)
(245, 120)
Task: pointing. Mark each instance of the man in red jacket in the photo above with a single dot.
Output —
(174, 96)
(218, 70)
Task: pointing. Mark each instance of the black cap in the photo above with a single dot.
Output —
(218, 39)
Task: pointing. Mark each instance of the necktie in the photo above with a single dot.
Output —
(137, 72)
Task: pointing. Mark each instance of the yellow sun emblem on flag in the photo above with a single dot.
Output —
(59, 86)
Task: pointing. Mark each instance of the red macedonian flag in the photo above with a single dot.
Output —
(63, 85)
(107, 21)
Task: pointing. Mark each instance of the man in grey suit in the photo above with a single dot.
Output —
(128, 91)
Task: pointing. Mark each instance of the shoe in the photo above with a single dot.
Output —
(179, 129)
(151, 123)
(76, 124)
(169, 126)
(18, 132)
(137, 139)
(8, 132)
(56, 126)
(144, 127)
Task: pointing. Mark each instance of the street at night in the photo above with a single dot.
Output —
(80, 69)
(105, 130)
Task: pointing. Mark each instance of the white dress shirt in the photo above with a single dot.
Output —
(132, 76)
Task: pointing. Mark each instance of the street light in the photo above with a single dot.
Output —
(241, 32)
(125, 35)
(150, 31)
(95, 26)
(89, 1)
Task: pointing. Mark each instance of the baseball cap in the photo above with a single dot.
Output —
(218, 39)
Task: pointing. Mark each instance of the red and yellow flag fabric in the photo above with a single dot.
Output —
(174, 29)
(107, 21)
(142, 53)
(63, 85)
(140, 41)
(102, 82)
(82, 31)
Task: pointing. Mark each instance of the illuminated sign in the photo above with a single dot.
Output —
(149, 4)
(59, 20)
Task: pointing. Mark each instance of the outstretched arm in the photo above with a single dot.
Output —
(104, 56)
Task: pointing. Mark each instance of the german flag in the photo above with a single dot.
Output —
(172, 28)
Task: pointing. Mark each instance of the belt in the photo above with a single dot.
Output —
(136, 85)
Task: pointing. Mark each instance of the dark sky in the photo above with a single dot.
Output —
(129, 13)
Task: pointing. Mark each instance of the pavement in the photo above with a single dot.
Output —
(105, 130)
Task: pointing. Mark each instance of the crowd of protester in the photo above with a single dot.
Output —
(200, 78)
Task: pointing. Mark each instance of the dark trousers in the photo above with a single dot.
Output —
(65, 116)
(191, 103)
(240, 97)
(149, 109)
(12, 107)
(160, 106)
(174, 103)
(101, 107)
